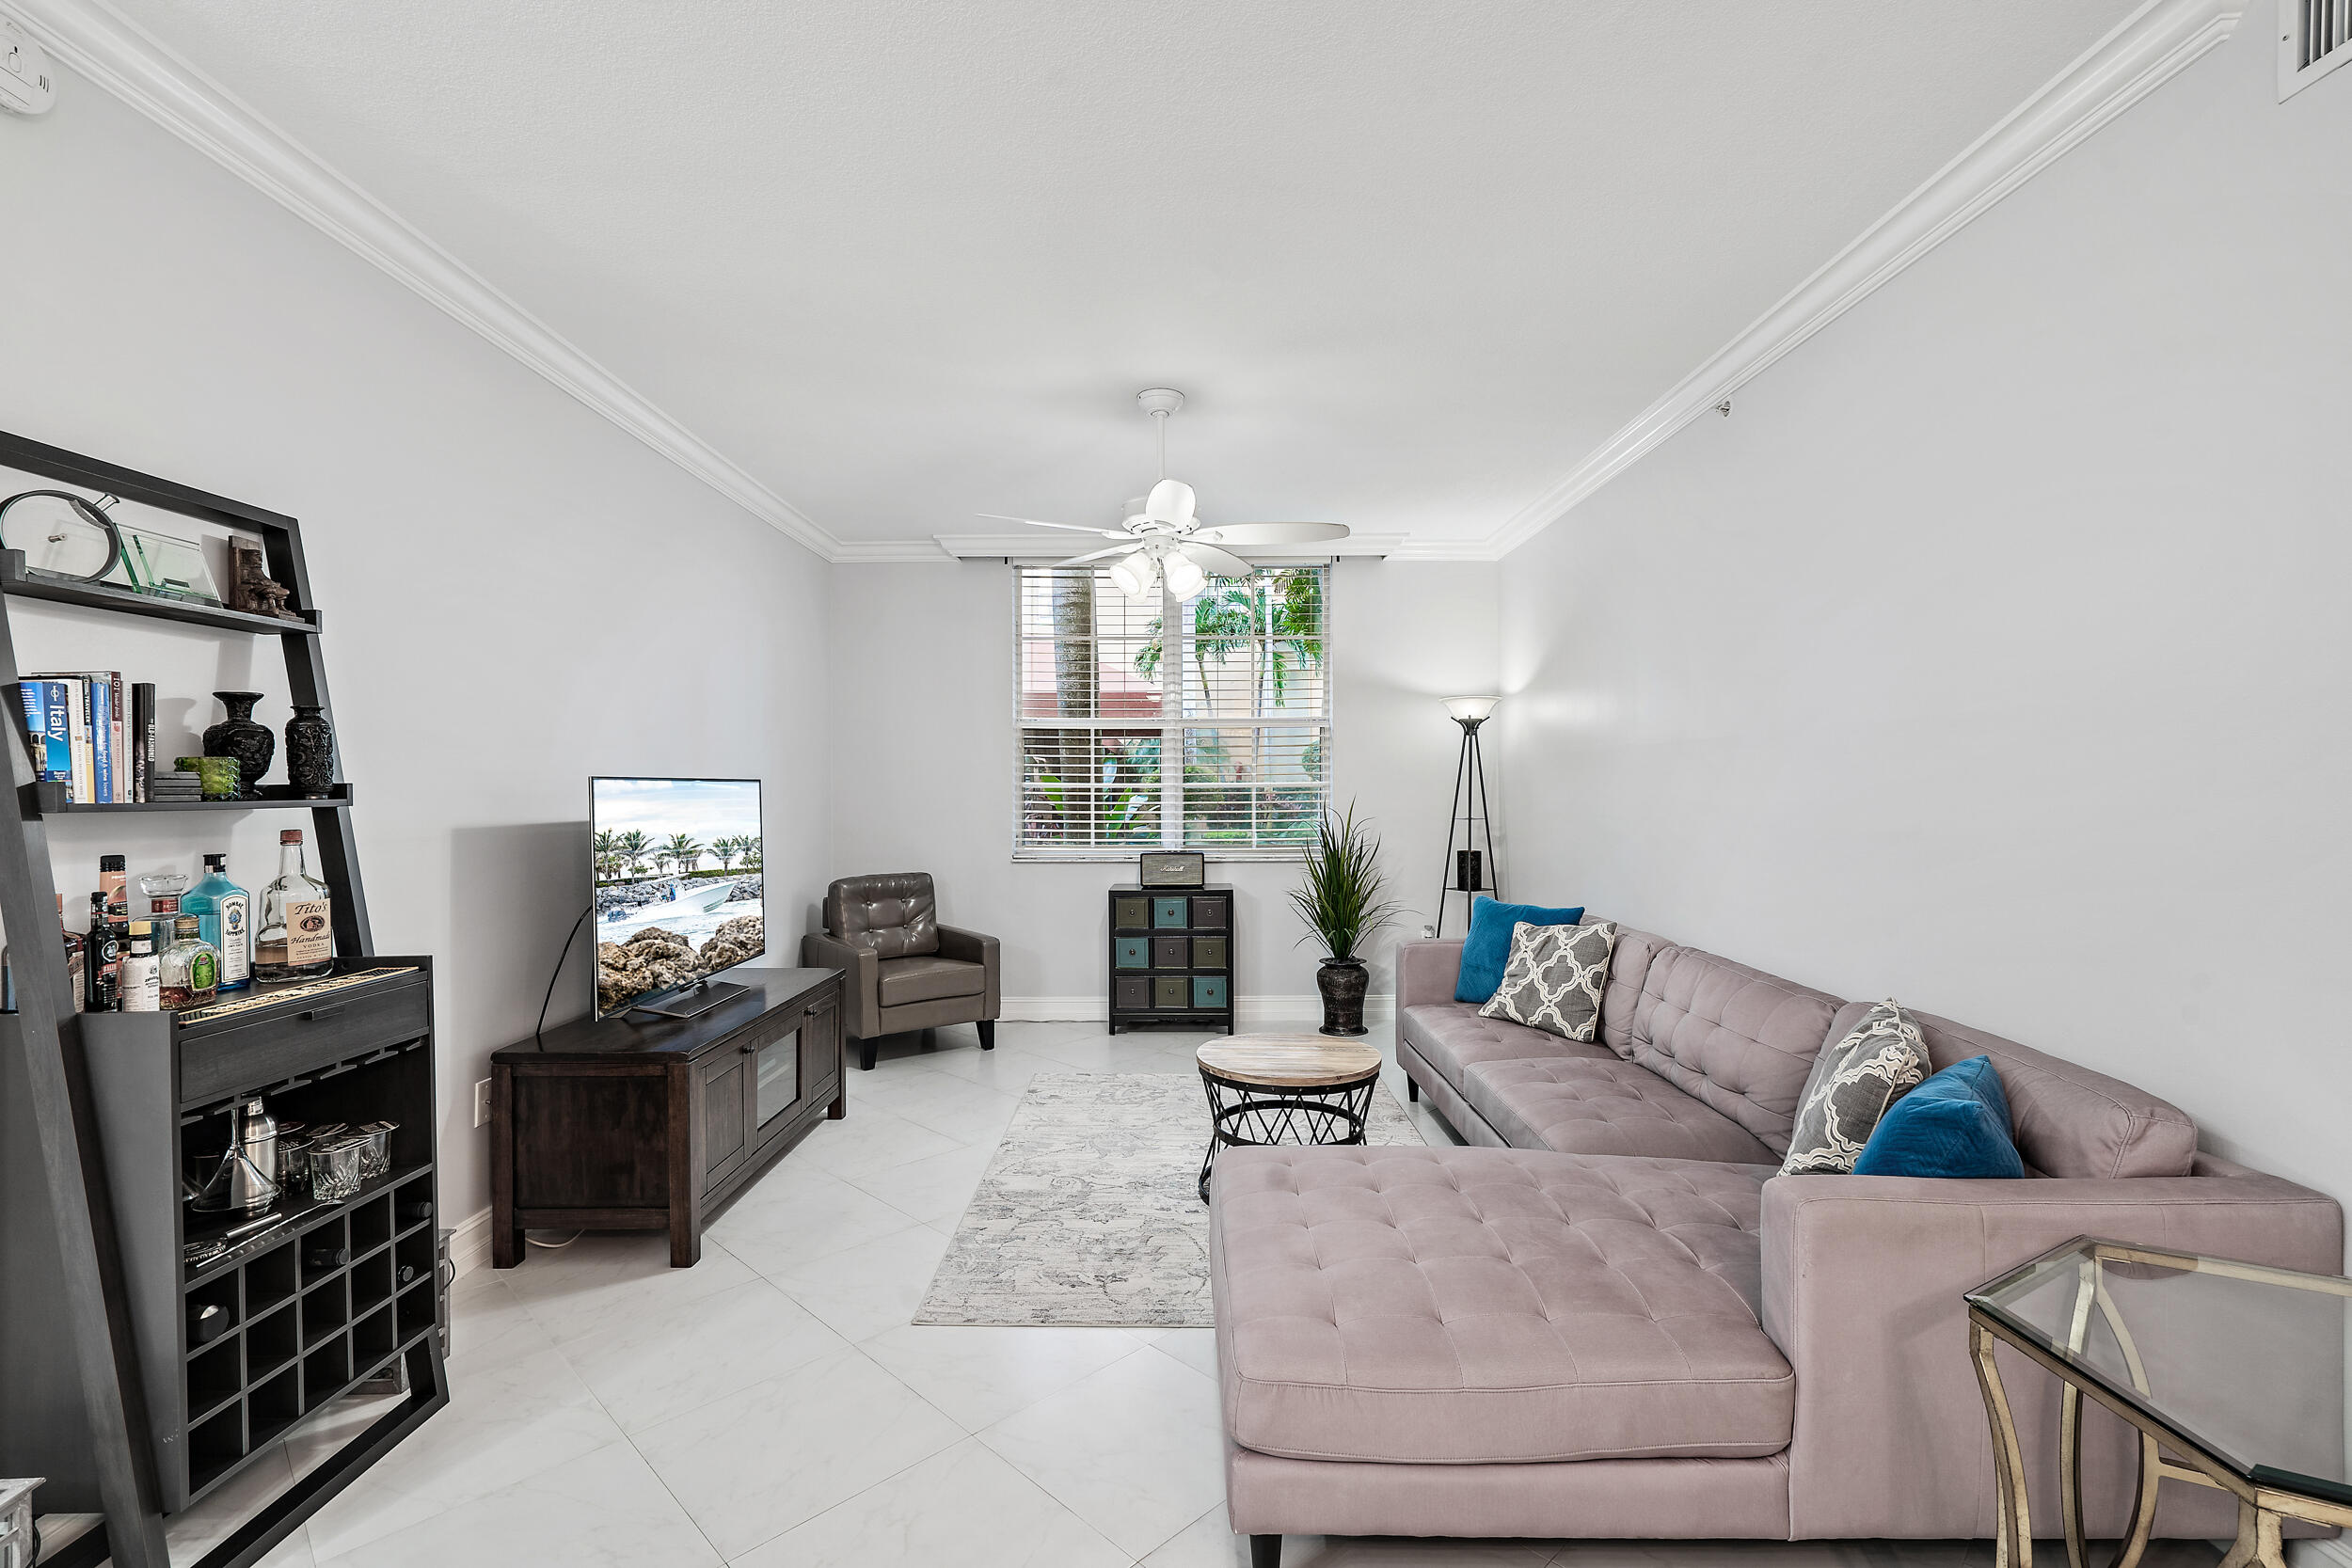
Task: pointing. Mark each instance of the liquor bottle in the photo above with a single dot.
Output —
(296, 937)
(74, 981)
(163, 890)
(409, 1213)
(403, 1275)
(191, 967)
(224, 912)
(101, 958)
(110, 879)
(326, 1256)
(142, 991)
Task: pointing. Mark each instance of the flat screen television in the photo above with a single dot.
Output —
(675, 865)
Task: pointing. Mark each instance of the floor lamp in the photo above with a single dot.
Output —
(1469, 870)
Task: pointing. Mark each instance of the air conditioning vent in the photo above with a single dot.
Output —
(2314, 37)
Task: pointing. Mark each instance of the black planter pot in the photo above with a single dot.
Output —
(238, 736)
(1342, 982)
(310, 752)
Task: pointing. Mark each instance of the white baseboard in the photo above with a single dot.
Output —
(469, 1243)
(1251, 1012)
(2316, 1553)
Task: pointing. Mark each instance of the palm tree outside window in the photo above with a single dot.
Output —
(1216, 739)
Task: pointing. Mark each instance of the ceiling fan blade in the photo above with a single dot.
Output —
(1247, 534)
(1216, 562)
(1170, 502)
(1095, 555)
(1034, 522)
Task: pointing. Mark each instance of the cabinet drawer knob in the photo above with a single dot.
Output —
(318, 1014)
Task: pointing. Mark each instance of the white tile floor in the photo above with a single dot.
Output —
(772, 1407)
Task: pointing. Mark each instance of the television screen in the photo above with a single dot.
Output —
(678, 878)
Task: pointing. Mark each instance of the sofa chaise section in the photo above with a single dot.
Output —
(1480, 1341)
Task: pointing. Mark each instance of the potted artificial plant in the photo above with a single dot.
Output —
(1342, 904)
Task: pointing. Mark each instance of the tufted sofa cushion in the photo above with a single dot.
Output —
(1603, 1107)
(1621, 998)
(1451, 1037)
(1738, 1038)
(894, 913)
(1479, 1305)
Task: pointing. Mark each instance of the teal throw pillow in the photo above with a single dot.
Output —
(1955, 1124)
(1487, 949)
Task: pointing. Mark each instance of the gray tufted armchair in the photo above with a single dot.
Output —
(904, 969)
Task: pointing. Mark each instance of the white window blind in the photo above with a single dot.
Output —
(1217, 738)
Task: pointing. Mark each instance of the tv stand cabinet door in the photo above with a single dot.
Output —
(722, 1111)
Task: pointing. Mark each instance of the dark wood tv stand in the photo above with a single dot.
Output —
(641, 1123)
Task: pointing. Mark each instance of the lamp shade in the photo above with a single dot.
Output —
(1134, 574)
(1470, 710)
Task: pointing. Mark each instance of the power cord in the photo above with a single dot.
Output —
(557, 975)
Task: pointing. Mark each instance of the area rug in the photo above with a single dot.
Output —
(1090, 1214)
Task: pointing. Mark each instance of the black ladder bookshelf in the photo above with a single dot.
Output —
(102, 1389)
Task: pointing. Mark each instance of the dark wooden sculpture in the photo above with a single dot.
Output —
(251, 588)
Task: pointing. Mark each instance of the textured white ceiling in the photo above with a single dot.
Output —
(908, 261)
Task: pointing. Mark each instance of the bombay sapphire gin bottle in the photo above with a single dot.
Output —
(224, 913)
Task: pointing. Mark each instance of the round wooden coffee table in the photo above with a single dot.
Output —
(1286, 1088)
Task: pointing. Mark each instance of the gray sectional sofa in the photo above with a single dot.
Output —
(1617, 1317)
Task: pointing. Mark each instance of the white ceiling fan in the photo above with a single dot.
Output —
(1162, 537)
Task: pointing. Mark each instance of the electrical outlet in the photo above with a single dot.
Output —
(482, 1103)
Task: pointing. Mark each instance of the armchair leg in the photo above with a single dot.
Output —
(1266, 1551)
(866, 1055)
(1412, 1089)
(988, 1033)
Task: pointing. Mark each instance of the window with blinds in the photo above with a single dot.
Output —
(1217, 738)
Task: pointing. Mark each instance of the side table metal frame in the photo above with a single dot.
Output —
(2259, 1508)
(1282, 1113)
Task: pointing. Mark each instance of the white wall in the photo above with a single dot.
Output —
(516, 594)
(1992, 654)
(924, 760)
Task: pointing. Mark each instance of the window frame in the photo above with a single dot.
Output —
(1174, 664)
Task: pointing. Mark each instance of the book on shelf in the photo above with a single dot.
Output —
(97, 733)
(142, 737)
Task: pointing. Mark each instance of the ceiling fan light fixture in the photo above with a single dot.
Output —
(1184, 575)
(1134, 573)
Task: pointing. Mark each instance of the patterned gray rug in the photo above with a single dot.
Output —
(1089, 1215)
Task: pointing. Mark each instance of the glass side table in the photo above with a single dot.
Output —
(2232, 1375)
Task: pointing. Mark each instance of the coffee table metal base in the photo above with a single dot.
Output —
(1243, 1114)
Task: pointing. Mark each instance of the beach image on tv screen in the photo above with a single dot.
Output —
(677, 879)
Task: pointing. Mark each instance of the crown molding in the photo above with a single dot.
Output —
(118, 54)
(2143, 52)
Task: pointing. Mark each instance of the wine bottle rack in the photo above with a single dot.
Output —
(301, 1336)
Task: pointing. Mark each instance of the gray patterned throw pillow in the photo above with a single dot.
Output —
(1553, 978)
(1853, 1083)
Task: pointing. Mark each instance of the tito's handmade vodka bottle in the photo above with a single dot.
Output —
(296, 936)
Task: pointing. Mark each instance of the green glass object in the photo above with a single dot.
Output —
(217, 777)
(167, 568)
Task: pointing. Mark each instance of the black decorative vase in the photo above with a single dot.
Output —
(1342, 982)
(310, 752)
(239, 736)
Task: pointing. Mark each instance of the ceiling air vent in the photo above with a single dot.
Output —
(2314, 37)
